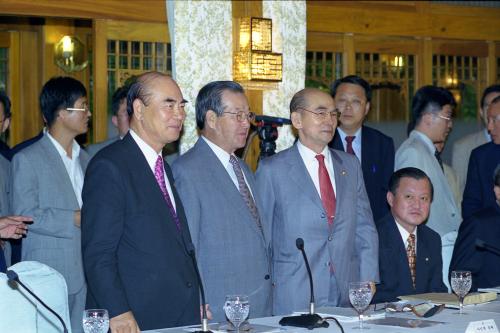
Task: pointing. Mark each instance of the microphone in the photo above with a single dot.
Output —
(310, 320)
(204, 320)
(14, 279)
(485, 246)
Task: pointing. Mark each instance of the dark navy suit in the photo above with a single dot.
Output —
(395, 278)
(134, 256)
(484, 265)
(478, 191)
(377, 163)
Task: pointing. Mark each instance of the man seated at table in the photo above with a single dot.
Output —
(409, 252)
(484, 226)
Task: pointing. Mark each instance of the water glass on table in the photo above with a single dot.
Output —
(95, 321)
(236, 308)
(461, 281)
(360, 295)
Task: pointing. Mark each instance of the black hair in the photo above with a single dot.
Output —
(408, 172)
(4, 99)
(210, 98)
(352, 79)
(119, 95)
(491, 89)
(59, 93)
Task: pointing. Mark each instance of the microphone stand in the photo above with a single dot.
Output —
(204, 319)
(310, 320)
(14, 279)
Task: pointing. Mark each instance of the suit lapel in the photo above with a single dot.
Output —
(366, 154)
(341, 180)
(422, 261)
(397, 246)
(336, 143)
(144, 176)
(57, 167)
(300, 176)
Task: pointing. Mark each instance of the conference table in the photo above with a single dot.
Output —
(383, 322)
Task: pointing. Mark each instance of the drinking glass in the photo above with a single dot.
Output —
(236, 308)
(360, 295)
(461, 282)
(95, 321)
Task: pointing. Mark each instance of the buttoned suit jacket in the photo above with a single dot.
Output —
(484, 265)
(42, 189)
(377, 163)
(233, 252)
(395, 277)
(478, 192)
(4, 203)
(94, 148)
(293, 207)
(134, 256)
(444, 216)
(462, 149)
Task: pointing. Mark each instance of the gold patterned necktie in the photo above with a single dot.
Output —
(412, 258)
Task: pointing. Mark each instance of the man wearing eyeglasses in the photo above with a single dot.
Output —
(318, 194)
(431, 122)
(222, 205)
(483, 161)
(47, 185)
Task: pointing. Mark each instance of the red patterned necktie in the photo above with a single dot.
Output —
(349, 140)
(326, 189)
(412, 257)
(160, 179)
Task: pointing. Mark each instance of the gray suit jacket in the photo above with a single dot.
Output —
(417, 151)
(42, 189)
(233, 253)
(461, 154)
(293, 207)
(94, 148)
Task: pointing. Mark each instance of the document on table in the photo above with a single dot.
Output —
(347, 315)
(490, 290)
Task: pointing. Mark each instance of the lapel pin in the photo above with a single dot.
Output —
(343, 173)
(426, 259)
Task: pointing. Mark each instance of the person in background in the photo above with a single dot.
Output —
(47, 181)
(374, 150)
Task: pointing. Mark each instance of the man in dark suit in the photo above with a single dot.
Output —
(373, 149)
(483, 225)
(409, 251)
(134, 229)
(483, 161)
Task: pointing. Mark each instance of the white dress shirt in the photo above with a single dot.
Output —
(405, 234)
(224, 157)
(72, 165)
(151, 156)
(356, 143)
(312, 165)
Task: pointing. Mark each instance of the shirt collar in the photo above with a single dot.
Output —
(149, 153)
(428, 142)
(344, 134)
(221, 154)
(310, 154)
(404, 233)
(75, 149)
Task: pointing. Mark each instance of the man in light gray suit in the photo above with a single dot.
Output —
(221, 202)
(47, 180)
(463, 147)
(120, 120)
(431, 122)
(318, 194)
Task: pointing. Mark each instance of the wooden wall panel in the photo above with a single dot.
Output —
(100, 73)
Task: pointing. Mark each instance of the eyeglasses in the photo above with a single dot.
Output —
(444, 117)
(84, 108)
(324, 114)
(241, 116)
(493, 119)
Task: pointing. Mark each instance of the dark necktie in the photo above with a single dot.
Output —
(244, 190)
(437, 154)
(412, 258)
(160, 179)
(349, 140)
(326, 189)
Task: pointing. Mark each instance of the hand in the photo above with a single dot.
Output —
(124, 323)
(373, 287)
(77, 218)
(209, 313)
(13, 226)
